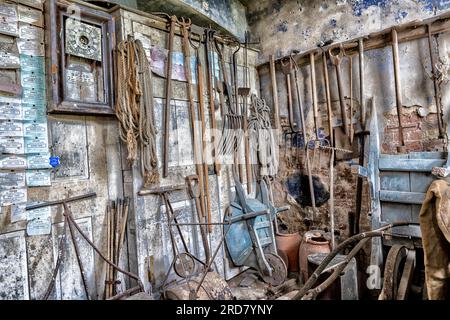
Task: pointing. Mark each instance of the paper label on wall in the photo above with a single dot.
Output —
(9, 26)
(9, 60)
(13, 162)
(31, 16)
(13, 145)
(9, 54)
(35, 129)
(13, 196)
(39, 221)
(36, 145)
(34, 112)
(12, 179)
(30, 32)
(18, 212)
(32, 80)
(38, 4)
(11, 128)
(158, 64)
(38, 227)
(39, 161)
(34, 64)
(31, 47)
(33, 96)
(11, 109)
(8, 10)
(40, 178)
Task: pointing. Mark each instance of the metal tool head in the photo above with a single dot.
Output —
(184, 22)
(192, 183)
(286, 66)
(336, 54)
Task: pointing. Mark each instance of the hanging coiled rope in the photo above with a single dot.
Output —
(134, 107)
(261, 137)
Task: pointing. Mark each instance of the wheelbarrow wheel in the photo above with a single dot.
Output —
(184, 265)
(279, 270)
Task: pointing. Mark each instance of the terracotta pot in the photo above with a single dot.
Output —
(288, 244)
(313, 242)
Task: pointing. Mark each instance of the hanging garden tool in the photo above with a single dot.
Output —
(294, 127)
(362, 136)
(305, 144)
(437, 96)
(234, 80)
(276, 107)
(193, 186)
(341, 133)
(168, 97)
(398, 91)
(185, 25)
(244, 92)
(210, 68)
(201, 113)
(331, 140)
(231, 138)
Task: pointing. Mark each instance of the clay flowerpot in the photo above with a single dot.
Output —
(289, 244)
(313, 242)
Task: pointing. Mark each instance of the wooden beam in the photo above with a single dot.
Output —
(415, 165)
(402, 197)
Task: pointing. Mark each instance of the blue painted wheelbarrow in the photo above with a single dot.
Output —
(251, 240)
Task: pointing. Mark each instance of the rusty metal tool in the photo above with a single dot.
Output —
(330, 129)
(398, 90)
(435, 85)
(209, 53)
(336, 59)
(328, 97)
(302, 119)
(350, 76)
(193, 185)
(198, 158)
(168, 97)
(201, 112)
(362, 137)
(286, 68)
(237, 108)
(276, 107)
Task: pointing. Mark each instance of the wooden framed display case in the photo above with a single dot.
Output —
(80, 41)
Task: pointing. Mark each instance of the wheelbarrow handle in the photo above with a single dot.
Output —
(248, 216)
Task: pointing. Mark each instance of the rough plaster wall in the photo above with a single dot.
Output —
(154, 252)
(417, 91)
(286, 25)
(230, 15)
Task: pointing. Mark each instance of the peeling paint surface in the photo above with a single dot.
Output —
(327, 21)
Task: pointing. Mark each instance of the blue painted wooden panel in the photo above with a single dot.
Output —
(398, 181)
(420, 165)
